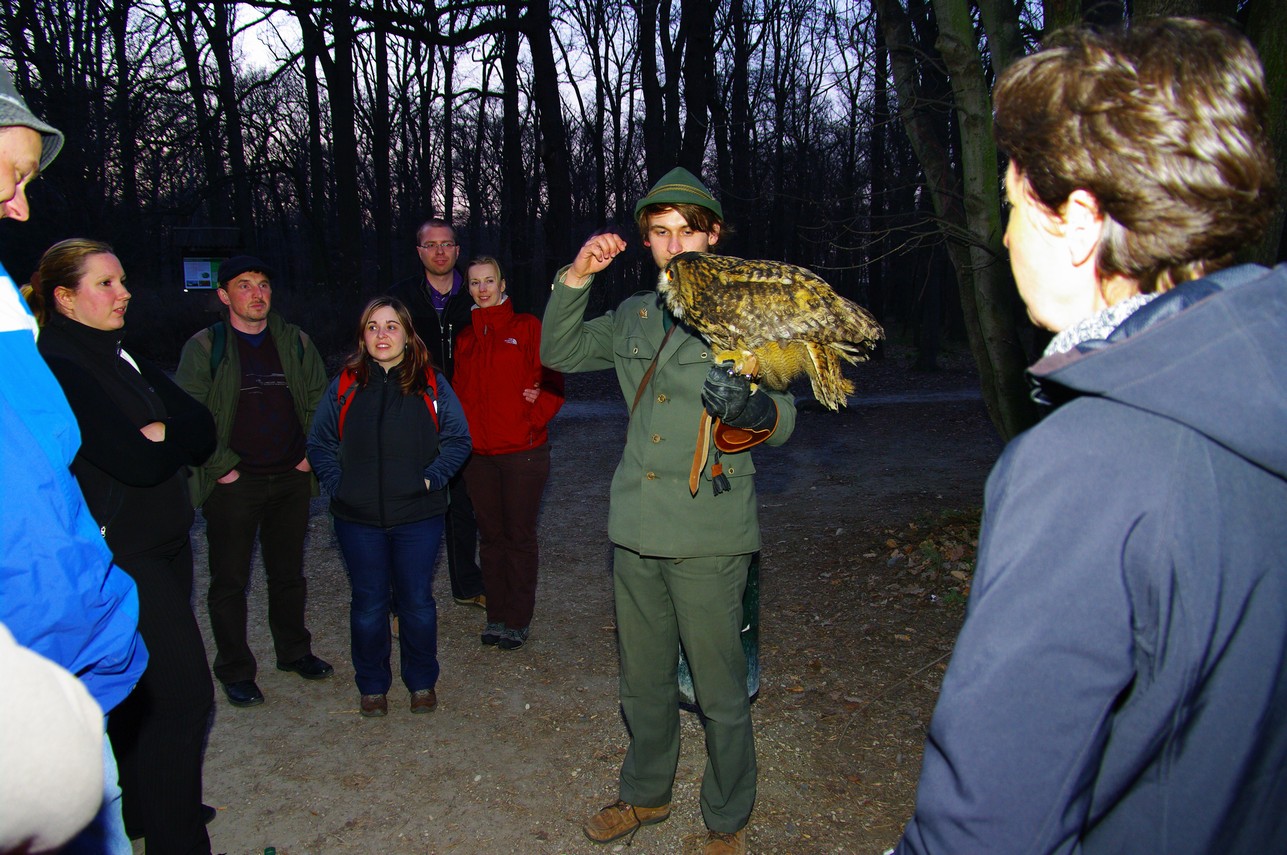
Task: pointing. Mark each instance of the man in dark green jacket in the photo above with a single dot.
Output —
(681, 559)
(262, 379)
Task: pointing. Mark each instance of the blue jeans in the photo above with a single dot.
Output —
(105, 835)
(401, 558)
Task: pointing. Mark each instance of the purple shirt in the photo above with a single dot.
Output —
(438, 300)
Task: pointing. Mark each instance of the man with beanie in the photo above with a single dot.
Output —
(681, 559)
(63, 598)
(262, 379)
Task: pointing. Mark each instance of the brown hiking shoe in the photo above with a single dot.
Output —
(424, 700)
(374, 706)
(619, 819)
(723, 843)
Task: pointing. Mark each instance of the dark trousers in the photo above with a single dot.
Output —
(506, 490)
(379, 559)
(158, 732)
(461, 535)
(276, 508)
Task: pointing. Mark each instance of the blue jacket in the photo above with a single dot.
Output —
(1120, 683)
(60, 595)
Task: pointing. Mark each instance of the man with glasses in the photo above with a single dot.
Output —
(440, 304)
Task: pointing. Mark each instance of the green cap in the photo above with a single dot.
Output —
(679, 186)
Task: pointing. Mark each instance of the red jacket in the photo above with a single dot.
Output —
(497, 357)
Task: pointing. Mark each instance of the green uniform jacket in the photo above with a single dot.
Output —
(652, 511)
(305, 377)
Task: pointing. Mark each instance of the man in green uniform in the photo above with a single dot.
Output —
(681, 558)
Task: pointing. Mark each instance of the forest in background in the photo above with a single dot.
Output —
(849, 136)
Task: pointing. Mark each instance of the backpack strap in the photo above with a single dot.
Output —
(218, 344)
(431, 394)
(346, 387)
(344, 395)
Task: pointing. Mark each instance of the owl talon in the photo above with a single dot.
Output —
(742, 362)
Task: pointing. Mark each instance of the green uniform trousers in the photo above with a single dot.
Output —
(660, 603)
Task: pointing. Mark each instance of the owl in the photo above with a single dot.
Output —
(775, 321)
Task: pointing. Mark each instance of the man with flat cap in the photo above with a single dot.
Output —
(63, 598)
(262, 379)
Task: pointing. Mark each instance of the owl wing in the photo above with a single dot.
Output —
(767, 301)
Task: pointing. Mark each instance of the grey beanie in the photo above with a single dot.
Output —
(14, 111)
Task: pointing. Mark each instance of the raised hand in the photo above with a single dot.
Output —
(593, 256)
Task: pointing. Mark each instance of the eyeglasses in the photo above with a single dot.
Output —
(432, 245)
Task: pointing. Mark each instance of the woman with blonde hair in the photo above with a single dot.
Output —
(509, 398)
(139, 434)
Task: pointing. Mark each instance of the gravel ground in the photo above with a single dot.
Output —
(866, 564)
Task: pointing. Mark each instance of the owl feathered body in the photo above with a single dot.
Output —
(787, 316)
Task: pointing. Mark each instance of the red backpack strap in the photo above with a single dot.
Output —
(431, 394)
(345, 389)
(344, 395)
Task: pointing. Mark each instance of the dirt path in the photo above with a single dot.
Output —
(525, 744)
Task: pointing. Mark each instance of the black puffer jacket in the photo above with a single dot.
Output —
(376, 472)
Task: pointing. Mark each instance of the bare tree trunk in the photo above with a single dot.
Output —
(737, 188)
(986, 293)
(447, 53)
(117, 17)
(654, 120)
(345, 248)
(315, 207)
(184, 25)
(219, 33)
(698, 70)
(425, 161)
(1227, 9)
(381, 143)
(553, 145)
(348, 201)
(879, 228)
(993, 285)
(513, 219)
(1267, 27)
(1057, 14)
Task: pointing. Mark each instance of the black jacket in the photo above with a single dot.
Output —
(376, 473)
(135, 488)
(439, 332)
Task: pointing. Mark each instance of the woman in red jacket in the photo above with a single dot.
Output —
(509, 398)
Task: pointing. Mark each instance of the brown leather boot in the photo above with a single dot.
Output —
(723, 843)
(619, 819)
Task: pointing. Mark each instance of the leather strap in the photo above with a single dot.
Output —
(702, 451)
(643, 383)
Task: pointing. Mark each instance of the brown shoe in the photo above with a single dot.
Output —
(374, 706)
(723, 843)
(423, 700)
(619, 819)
